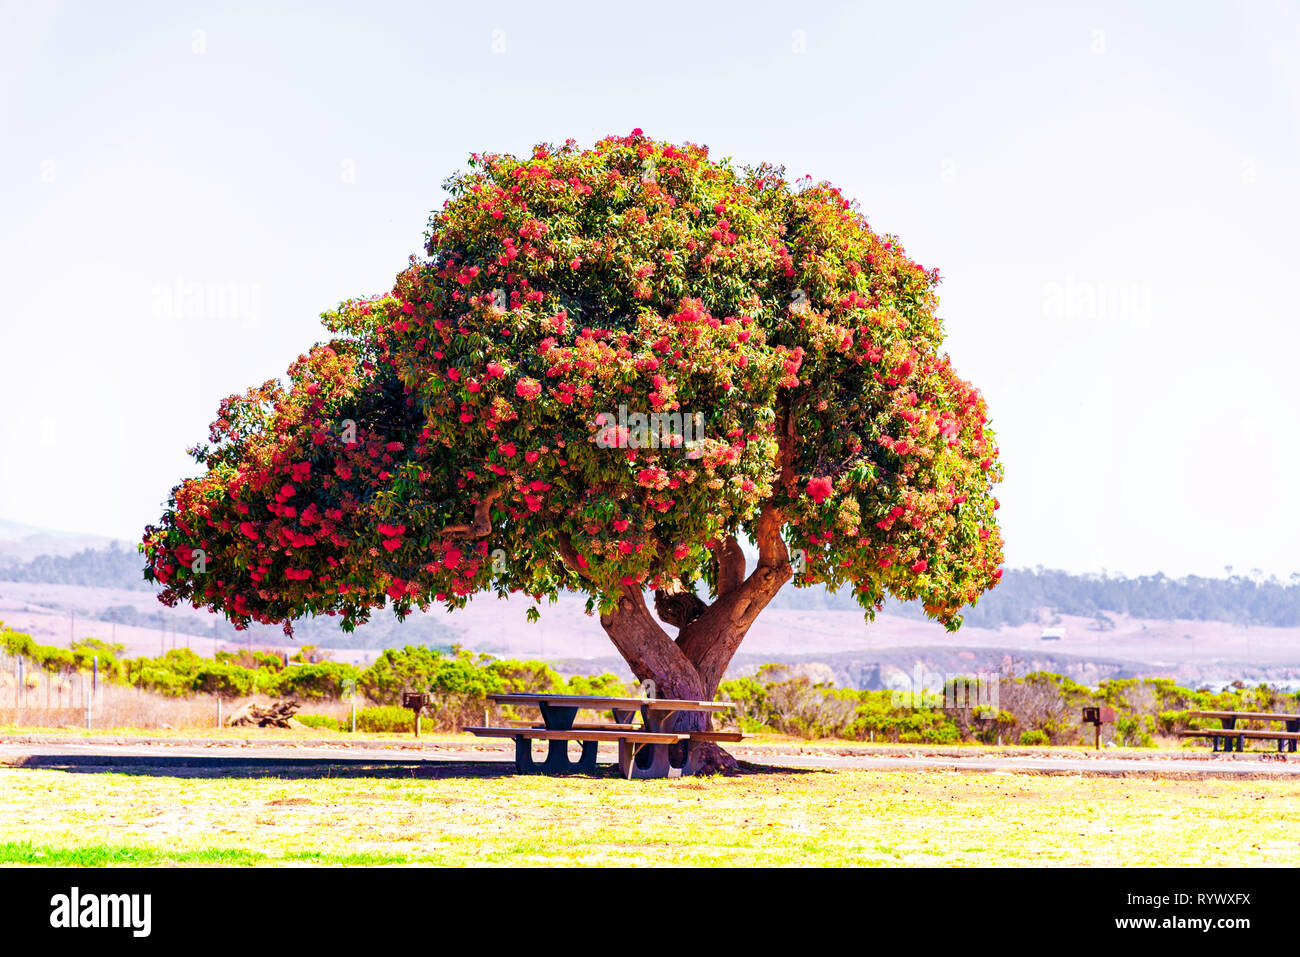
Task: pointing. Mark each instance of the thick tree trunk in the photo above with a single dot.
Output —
(693, 665)
(650, 653)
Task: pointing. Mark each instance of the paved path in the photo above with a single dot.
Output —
(193, 759)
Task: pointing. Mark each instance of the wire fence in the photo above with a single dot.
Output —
(33, 697)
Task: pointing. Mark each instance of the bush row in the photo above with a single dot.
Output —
(1037, 708)
(458, 681)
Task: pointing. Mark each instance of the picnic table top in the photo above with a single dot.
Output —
(605, 703)
(1245, 715)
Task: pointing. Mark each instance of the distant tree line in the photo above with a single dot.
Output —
(1024, 595)
(113, 567)
(1028, 595)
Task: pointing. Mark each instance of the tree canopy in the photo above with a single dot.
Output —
(614, 364)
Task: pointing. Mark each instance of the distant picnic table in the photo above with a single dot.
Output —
(643, 747)
(1231, 737)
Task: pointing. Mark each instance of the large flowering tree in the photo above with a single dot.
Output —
(614, 366)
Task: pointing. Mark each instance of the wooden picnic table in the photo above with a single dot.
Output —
(643, 748)
(1231, 736)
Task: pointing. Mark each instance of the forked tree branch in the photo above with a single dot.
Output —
(482, 524)
(648, 650)
(731, 564)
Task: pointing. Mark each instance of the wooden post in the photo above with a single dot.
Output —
(354, 714)
(415, 724)
(218, 711)
(1097, 742)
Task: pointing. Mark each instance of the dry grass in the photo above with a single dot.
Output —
(477, 815)
(47, 700)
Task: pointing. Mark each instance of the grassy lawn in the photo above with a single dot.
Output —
(467, 815)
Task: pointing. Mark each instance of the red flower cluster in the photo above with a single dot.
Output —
(593, 371)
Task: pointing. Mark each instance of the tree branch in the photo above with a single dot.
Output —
(731, 564)
(482, 524)
(648, 650)
(569, 554)
(710, 641)
(786, 440)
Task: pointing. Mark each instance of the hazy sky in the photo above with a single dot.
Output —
(1110, 192)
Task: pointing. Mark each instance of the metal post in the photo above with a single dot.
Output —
(85, 693)
(354, 714)
(94, 664)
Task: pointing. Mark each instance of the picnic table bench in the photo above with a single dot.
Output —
(643, 748)
(1232, 737)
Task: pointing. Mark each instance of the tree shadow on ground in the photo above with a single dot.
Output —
(317, 768)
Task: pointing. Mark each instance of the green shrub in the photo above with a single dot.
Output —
(1171, 722)
(1034, 737)
(17, 643)
(252, 659)
(229, 681)
(1135, 731)
(323, 680)
(385, 718)
(162, 681)
(56, 659)
(323, 721)
(86, 651)
(605, 684)
(946, 733)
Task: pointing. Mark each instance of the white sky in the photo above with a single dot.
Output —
(1110, 193)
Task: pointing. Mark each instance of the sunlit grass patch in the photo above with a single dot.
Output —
(783, 818)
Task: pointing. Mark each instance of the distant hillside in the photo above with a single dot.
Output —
(116, 566)
(382, 631)
(1028, 595)
(1025, 595)
(20, 542)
